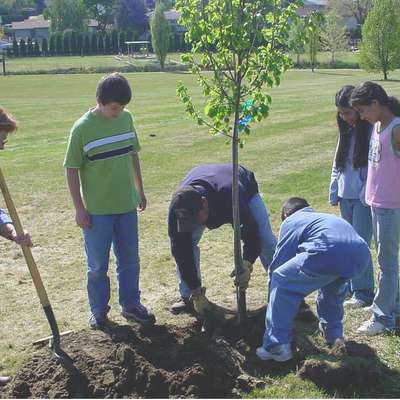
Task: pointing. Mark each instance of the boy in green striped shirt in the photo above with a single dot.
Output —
(103, 166)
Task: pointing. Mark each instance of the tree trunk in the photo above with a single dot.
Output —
(240, 294)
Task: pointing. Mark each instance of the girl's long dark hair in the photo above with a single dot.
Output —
(364, 94)
(363, 129)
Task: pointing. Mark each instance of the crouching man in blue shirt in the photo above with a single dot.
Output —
(315, 251)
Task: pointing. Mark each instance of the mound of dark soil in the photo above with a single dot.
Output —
(216, 361)
(347, 365)
(131, 361)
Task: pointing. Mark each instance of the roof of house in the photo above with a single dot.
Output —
(317, 2)
(172, 15)
(310, 5)
(38, 22)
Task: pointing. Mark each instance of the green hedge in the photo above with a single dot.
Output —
(328, 65)
(151, 67)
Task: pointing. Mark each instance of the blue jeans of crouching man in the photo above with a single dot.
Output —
(119, 231)
(291, 282)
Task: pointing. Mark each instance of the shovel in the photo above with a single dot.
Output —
(64, 359)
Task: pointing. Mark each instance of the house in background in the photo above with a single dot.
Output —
(311, 6)
(322, 6)
(172, 17)
(36, 27)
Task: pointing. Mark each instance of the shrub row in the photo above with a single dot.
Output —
(73, 43)
(148, 67)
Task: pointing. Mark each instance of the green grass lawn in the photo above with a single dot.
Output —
(46, 63)
(92, 63)
(77, 63)
(325, 57)
(291, 153)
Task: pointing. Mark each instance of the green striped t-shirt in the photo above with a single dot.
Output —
(101, 148)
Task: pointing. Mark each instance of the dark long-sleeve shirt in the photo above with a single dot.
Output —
(214, 182)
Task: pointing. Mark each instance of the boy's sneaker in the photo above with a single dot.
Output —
(98, 321)
(182, 305)
(354, 303)
(279, 353)
(4, 380)
(371, 328)
(139, 314)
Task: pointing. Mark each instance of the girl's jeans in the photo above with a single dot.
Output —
(386, 224)
(359, 216)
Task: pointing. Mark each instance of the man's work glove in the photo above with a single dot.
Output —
(200, 301)
(242, 281)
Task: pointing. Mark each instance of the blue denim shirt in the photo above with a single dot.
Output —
(4, 218)
(324, 244)
(350, 182)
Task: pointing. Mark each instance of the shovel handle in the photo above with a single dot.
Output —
(37, 280)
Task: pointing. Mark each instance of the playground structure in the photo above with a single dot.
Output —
(143, 50)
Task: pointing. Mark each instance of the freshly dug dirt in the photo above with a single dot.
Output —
(131, 361)
(214, 361)
(347, 364)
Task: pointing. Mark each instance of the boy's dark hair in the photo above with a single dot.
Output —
(364, 94)
(363, 130)
(7, 122)
(292, 205)
(113, 88)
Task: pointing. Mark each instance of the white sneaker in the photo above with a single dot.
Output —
(354, 303)
(279, 353)
(371, 328)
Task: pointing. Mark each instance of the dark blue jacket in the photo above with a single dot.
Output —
(324, 244)
(214, 181)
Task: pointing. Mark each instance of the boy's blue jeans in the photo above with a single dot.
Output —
(386, 224)
(359, 216)
(290, 284)
(120, 231)
(268, 240)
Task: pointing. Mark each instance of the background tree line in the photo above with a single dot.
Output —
(85, 44)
